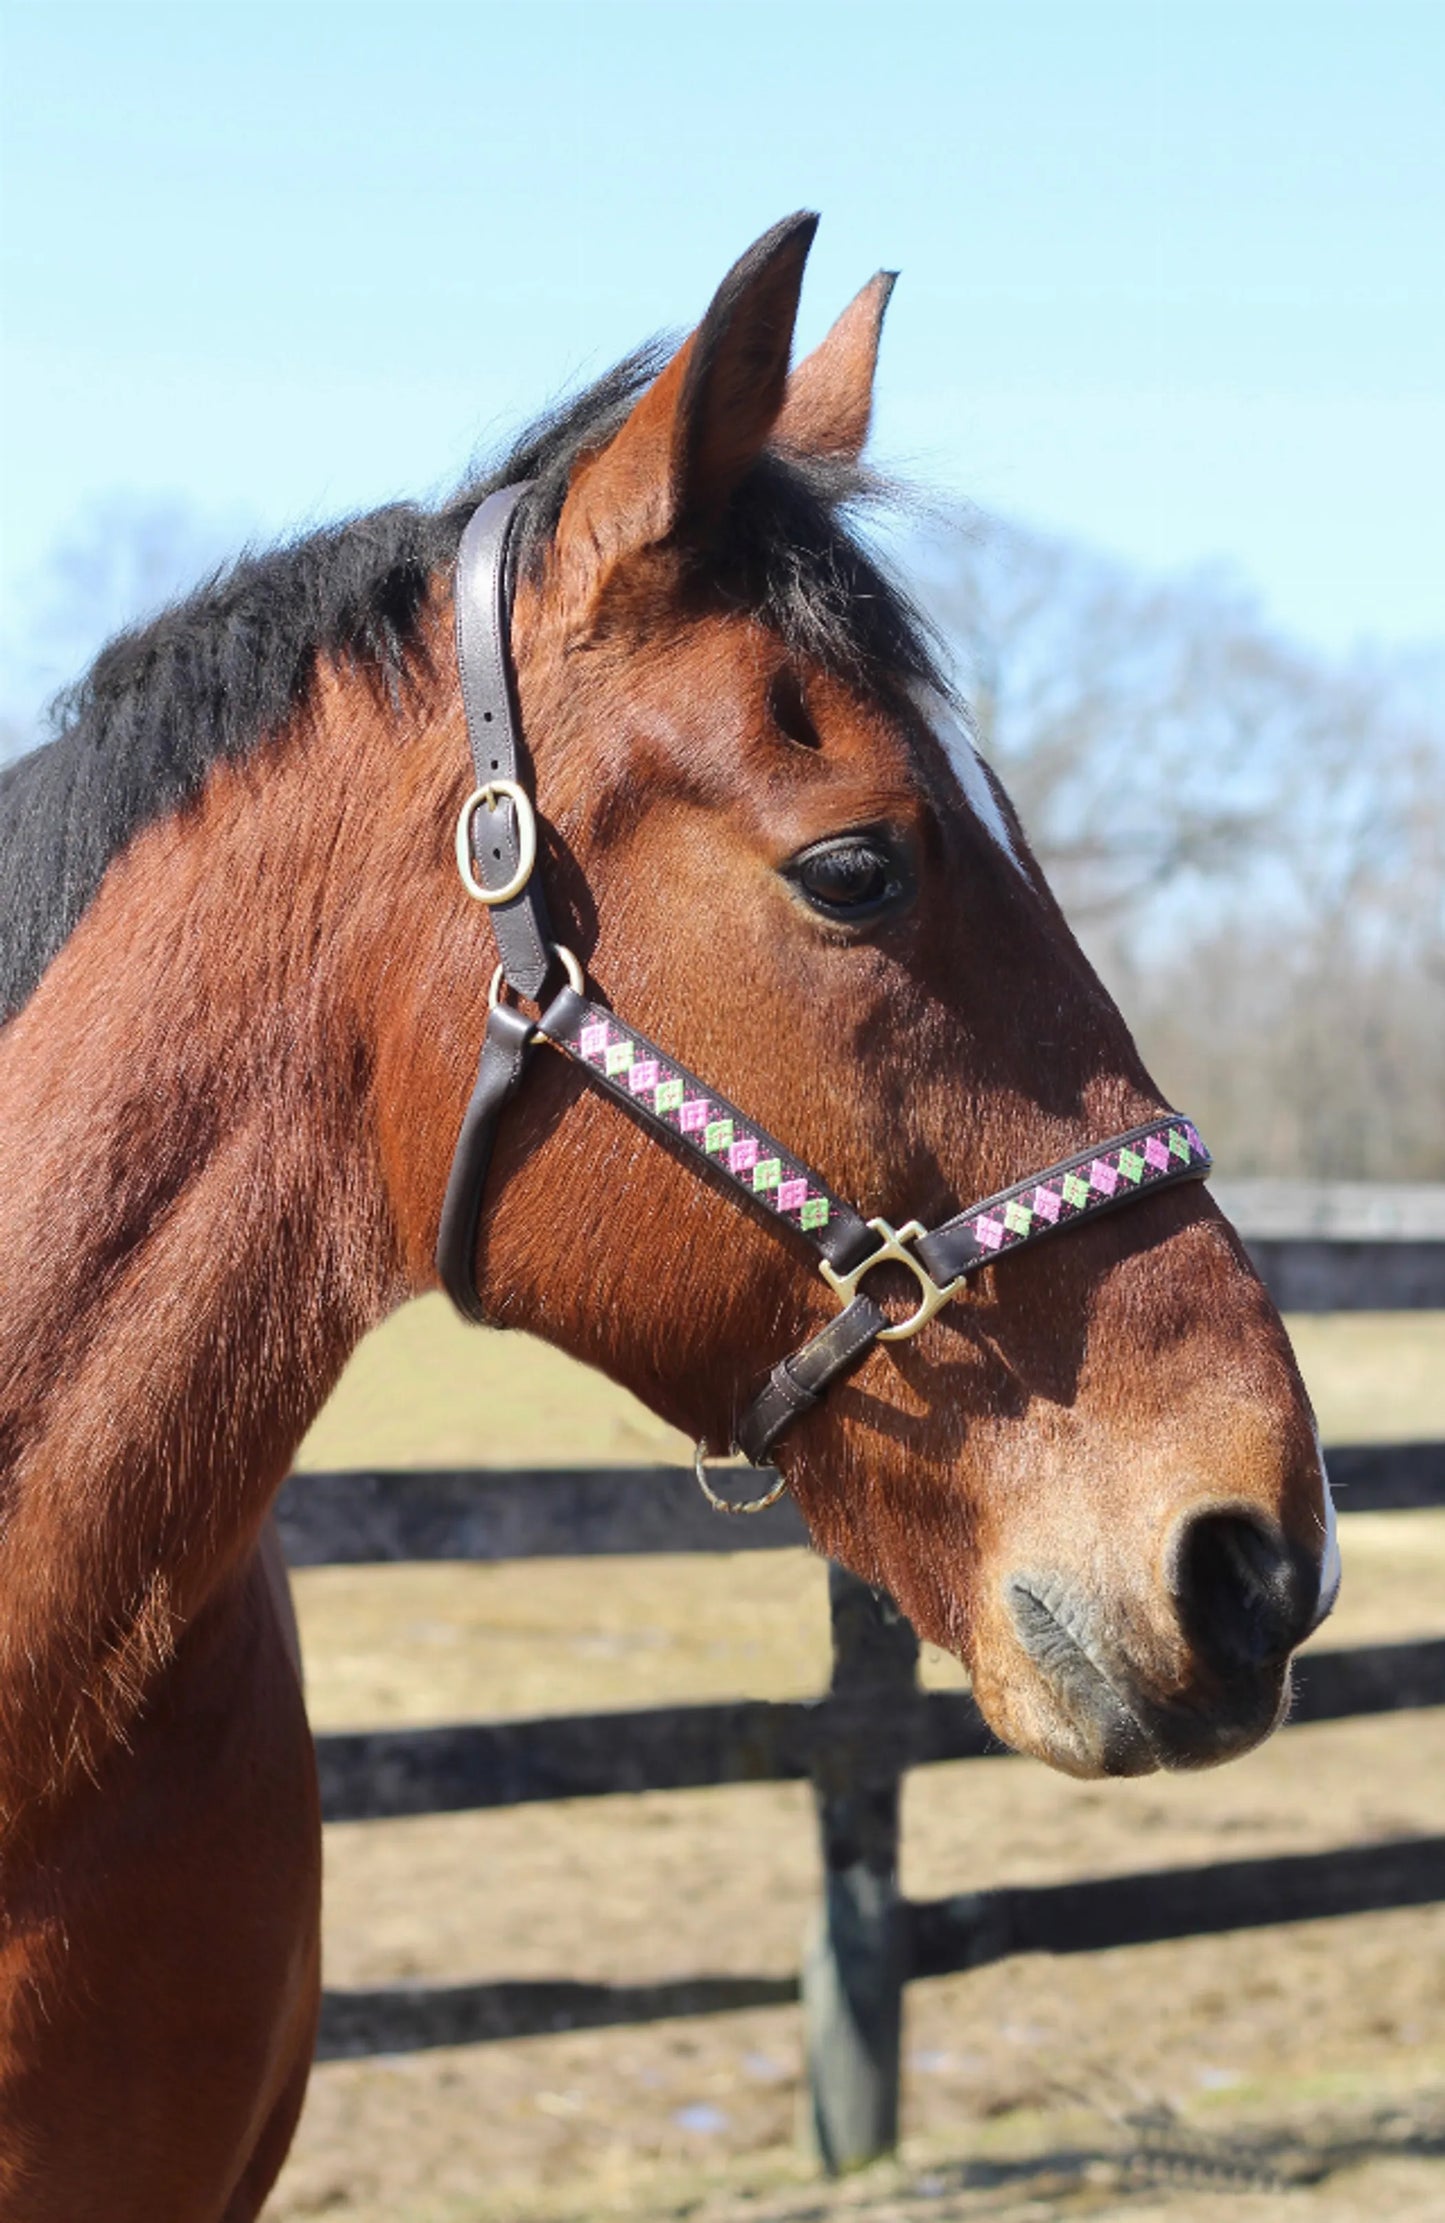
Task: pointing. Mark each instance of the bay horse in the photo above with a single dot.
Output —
(243, 991)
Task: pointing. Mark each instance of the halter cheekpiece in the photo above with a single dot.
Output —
(497, 856)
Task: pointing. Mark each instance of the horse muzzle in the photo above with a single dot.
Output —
(1239, 1600)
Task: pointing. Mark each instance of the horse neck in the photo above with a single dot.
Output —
(197, 1237)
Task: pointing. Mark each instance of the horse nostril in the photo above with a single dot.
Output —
(1243, 1598)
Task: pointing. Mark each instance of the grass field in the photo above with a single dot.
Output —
(1298, 2073)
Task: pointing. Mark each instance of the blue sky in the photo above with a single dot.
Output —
(1173, 277)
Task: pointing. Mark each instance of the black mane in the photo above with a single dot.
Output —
(216, 674)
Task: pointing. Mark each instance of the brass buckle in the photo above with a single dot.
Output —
(893, 1245)
(490, 793)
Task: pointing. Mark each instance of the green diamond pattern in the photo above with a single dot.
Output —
(1019, 1219)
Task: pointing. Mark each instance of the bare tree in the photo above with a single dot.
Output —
(1250, 840)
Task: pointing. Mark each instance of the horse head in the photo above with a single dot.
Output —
(1093, 1476)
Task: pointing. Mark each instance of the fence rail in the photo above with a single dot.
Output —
(1343, 1246)
(385, 1774)
(369, 1518)
(1360, 1250)
(1323, 1274)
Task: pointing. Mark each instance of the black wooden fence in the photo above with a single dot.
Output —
(854, 1744)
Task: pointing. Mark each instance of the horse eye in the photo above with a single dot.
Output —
(852, 877)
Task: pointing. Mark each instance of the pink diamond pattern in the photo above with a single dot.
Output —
(1073, 1192)
(796, 1197)
(1059, 1198)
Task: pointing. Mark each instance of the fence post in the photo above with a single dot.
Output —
(854, 1957)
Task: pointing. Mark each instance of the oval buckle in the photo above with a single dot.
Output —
(893, 1246)
(491, 793)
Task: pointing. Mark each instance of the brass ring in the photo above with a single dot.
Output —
(576, 980)
(490, 793)
(893, 1244)
(732, 1504)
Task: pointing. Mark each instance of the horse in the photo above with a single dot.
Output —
(243, 988)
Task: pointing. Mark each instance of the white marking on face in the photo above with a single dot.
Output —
(948, 730)
(1330, 1567)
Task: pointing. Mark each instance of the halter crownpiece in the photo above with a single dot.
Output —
(496, 856)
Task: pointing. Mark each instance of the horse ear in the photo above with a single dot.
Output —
(829, 399)
(702, 423)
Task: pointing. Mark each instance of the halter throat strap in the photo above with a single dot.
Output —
(497, 856)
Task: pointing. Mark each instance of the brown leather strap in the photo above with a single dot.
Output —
(494, 730)
(797, 1384)
(707, 1127)
(506, 1047)
(1153, 1155)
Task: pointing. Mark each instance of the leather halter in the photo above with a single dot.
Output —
(496, 855)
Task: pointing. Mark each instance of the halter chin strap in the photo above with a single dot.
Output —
(496, 855)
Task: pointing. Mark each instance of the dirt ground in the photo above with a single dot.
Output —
(1292, 2073)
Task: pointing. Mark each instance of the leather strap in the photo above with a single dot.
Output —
(1154, 1155)
(1096, 1180)
(506, 1047)
(673, 1101)
(494, 730)
(798, 1383)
